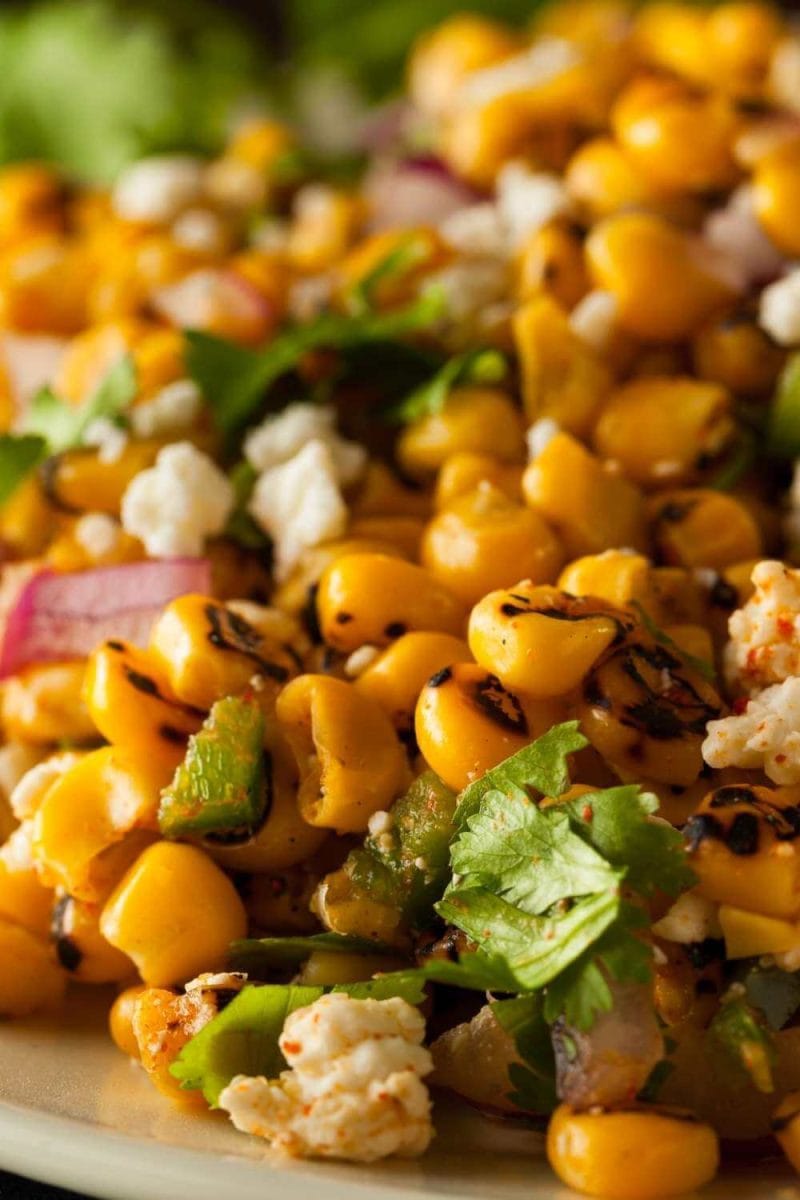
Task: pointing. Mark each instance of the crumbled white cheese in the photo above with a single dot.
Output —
(109, 438)
(539, 436)
(172, 410)
(360, 659)
(779, 309)
(594, 318)
(176, 504)
(354, 1090)
(529, 199)
(157, 189)
(299, 505)
(471, 287)
(765, 736)
(200, 229)
(692, 918)
(279, 438)
(544, 61)
(765, 633)
(211, 981)
(478, 231)
(380, 822)
(734, 231)
(97, 534)
(35, 784)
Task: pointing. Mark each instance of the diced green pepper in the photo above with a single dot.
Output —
(219, 786)
(741, 1029)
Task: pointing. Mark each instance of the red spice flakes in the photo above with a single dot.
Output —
(293, 1047)
(740, 705)
(785, 626)
(587, 812)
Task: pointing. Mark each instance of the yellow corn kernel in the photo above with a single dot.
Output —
(603, 180)
(162, 1024)
(633, 1154)
(67, 552)
(403, 532)
(644, 709)
(673, 35)
(552, 261)
(626, 253)
(741, 37)
(80, 480)
(701, 527)
(323, 968)
(562, 377)
(174, 913)
(350, 761)
(295, 595)
(426, 250)
(80, 946)
(694, 640)
(120, 1020)
(42, 704)
(776, 194)
(159, 360)
(372, 599)
(396, 677)
(751, 935)
(26, 520)
(31, 202)
(382, 494)
(664, 431)
(131, 703)
(786, 1127)
(466, 722)
(615, 575)
(260, 142)
(478, 139)
(95, 819)
(345, 909)
(91, 354)
(479, 419)
(442, 59)
(284, 838)
(279, 903)
(675, 598)
(324, 222)
(24, 899)
(463, 471)
(483, 541)
(204, 650)
(742, 851)
(597, 511)
(735, 352)
(31, 978)
(44, 286)
(541, 641)
(681, 139)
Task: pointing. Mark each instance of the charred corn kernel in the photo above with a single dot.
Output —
(734, 351)
(237, 571)
(396, 677)
(120, 1020)
(700, 527)
(31, 978)
(80, 946)
(675, 597)
(664, 430)
(694, 640)
(442, 60)
(632, 1154)
(483, 541)
(741, 844)
(551, 260)
(325, 221)
(541, 641)
(284, 838)
(466, 722)
(463, 471)
(204, 651)
(483, 420)
(422, 250)
(131, 703)
(42, 704)
(163, 1023)
(603, 180)
(372, 599)
(751, 935)
(323, 968)
(776, 194)
(174, 913)
(26, 520)
(403, 532)
(31, 202)
(343, 909)
(348, 756)
(297, 593)
(741, 37)
(44, 287)
(24, 899)
(597, 511)
(80, 480)
(95, 819)
(626, 253)
(645, 711)
(673, 35)
(382, 494)
(786, 1127)
(562, 377)
(615, 575)
(681, 139)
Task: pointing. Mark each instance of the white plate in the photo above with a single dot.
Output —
(74, 1112)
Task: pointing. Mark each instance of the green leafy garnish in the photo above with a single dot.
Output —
(258, 954)
(63, 425)
(19, 454)
(783, 422)
(409, 253)
(534, 1083)
(742, 1031)
(474, 366)
(236, 380)
(241, 527)
(744, 454)
(700, 665)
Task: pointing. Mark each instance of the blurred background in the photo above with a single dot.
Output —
(93, 84)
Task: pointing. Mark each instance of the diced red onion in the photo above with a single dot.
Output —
(735, 234)
(30, 360)
(415, 191)
(384, 127)
(62, 616)
(220, 301)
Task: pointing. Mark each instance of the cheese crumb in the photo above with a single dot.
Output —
(175, 505)
(766, 736)
(765, 634)
(529, 199)
(692, 918)
(172, 410)
(299, 505)
(157, 189)
(593, 319)
(354, 1090)
(34, 785)
(279, 438)
(109, 438)
(360, 659)
(539, 436)
(779, 309)
(97, 534)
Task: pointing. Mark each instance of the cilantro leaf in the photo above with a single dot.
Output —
(19, 454)
(256, 954)
(474, 366)
(783, 423)
(541, 767)
(742, 1032)
(534, 1083)
(241, 527)
(63, 425)
(236, 380)
(700, 665)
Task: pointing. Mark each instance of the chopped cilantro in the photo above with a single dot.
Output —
(534, 1083)
(64, 425)
(407, 254)
(783, 422)
(19, 454)
(474, 366)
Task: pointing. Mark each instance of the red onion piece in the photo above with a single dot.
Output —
(30, 360)
(415, 191)
(217, 300)
(62, 616)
